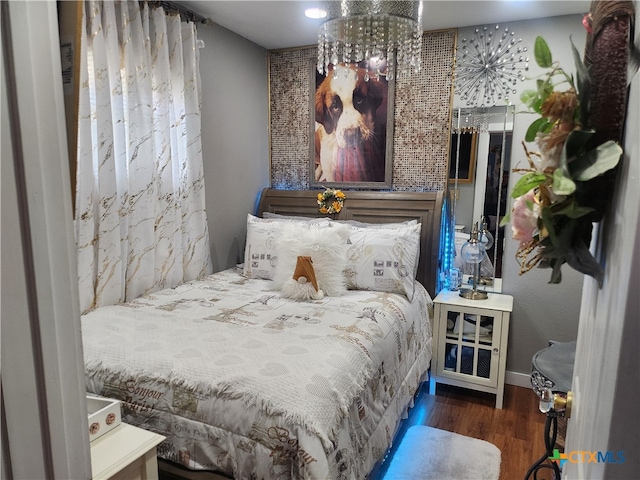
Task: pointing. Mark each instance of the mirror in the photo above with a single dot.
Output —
(480, 162)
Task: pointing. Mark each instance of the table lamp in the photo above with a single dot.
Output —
(473, 251)
(485, 236)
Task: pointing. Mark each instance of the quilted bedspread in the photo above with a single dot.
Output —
(243, 381)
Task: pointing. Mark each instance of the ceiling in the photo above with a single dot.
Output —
(282, 24)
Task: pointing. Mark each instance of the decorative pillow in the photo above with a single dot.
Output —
(325, 245)
(263, 236)
(303, 284)
(383, 259)
(300, 291)
(356, 223)
(278, 216)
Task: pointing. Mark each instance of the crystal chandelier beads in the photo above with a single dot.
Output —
(469, 120)
(478, 119)
(488, 66)
(372, 31)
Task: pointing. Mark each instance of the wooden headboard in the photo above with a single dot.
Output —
(374, 207)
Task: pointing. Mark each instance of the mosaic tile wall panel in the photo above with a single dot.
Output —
(422, 110)
(290, 84)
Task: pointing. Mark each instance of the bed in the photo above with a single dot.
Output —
(244, 381)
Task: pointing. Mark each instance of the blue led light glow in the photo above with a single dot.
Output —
(447, 246)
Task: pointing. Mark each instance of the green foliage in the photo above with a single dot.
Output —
(573, 210)
(597, 161)
(564, 222)
(542, 53)
(528, 98)
(574, 146)
(562, 185)
(583, 84)
(528, 181)
(539, 125)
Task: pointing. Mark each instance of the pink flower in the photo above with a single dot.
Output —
(587, 22)
(524, 218)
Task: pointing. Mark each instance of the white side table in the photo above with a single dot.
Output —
(126, 452)
(470, 339)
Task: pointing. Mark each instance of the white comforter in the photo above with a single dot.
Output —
(246, 382)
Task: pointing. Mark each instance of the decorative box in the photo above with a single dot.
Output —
(104, 415)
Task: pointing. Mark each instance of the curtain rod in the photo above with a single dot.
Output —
(185, 13)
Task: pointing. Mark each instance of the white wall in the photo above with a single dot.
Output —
(464, 204)
(235, 126)
(542, 312)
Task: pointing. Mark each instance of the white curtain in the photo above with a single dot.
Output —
(140, 208)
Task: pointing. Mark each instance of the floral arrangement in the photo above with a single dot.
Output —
(555, 199)
(331, 201)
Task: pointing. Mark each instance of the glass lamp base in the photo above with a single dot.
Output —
(473, 294)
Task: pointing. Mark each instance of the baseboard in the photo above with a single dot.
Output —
(518, 379)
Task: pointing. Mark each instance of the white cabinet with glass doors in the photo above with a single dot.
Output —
(470, 342)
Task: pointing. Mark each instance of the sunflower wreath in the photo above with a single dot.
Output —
(331, 201)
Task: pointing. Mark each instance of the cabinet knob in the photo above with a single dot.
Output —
(496, 351)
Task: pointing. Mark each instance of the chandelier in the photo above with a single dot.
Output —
(387, 35)
(470, 120)
(488, 66)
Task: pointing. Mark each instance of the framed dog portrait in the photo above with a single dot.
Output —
(467, 167)
(351, 128)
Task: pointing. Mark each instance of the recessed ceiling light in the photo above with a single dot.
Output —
(315, 13)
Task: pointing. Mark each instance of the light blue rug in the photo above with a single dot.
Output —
(427, 453)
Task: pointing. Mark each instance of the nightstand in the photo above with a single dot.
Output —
(470, 342)
(126, 452)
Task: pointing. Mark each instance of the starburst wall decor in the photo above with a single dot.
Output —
(488, 66)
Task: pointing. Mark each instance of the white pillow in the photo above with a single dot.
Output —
(325, 245)
(383, 259)
(279, 216)
(262, 240)
(356, 223)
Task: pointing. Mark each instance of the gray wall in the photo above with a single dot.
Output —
(235, 144)
(541, 311)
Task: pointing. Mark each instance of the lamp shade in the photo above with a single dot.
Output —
(484, 235)
(473, 251)
(486, 239)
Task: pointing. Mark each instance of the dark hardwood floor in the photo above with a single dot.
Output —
(517, 430)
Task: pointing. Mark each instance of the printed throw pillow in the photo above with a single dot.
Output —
(383, 259)
(325, 245)
(303, 285)
(356, 223)
(263, 235)
(284, 218)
